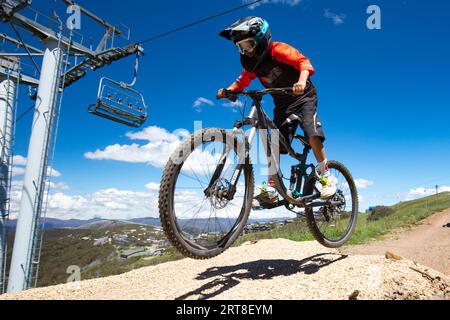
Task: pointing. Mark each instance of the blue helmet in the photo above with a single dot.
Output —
(250, 27)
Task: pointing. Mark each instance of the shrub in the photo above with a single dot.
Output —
(380, 212)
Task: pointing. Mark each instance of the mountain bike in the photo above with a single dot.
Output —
(207, 187)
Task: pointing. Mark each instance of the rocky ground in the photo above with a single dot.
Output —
(269, 269)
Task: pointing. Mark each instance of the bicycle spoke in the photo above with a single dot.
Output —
(208, 220)
(333, 221)
(194, 179)
(201, 206)
(229, 222)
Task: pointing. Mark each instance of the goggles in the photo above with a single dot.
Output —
(246, 45)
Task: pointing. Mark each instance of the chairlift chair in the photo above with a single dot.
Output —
(119, 102)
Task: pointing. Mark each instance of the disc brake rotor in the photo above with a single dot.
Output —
(218, 198)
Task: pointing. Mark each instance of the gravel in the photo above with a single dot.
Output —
(269, 269)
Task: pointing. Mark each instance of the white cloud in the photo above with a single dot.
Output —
(161, 145)
(123, 204)
(65, 202)
(152, 186)
(291, 3)
(234, 106)
(421, 192)
(200, 102)
(57, 186)
(427, 192)
(156, 152)
(202, 162)
(153, 154)
(56, 200)
(156, 134)
(52, 172)
(108, 203)
(363, 183)
(19, 163)
(337, 19)
(16, 185)
(19, 160)
(18, 171)
(113, 203)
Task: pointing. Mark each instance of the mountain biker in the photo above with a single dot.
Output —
(278, 65)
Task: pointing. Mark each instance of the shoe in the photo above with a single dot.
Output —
(267, 197)
(329, 186)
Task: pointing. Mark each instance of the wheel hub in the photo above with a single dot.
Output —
(219, 194)
(330, 212)
(339, 197)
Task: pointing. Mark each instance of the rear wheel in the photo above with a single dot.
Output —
(201, 224)
(333, 225)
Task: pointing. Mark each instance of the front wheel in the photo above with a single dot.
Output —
(333, 225)
(198, 216)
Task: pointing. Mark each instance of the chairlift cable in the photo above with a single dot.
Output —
(24, 114)
(25, 47)
(20, 117)
(200, 21)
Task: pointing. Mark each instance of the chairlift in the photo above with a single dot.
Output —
(119, 102)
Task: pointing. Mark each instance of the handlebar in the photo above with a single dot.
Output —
(232, 95)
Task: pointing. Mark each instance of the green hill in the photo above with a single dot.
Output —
(405, 214)
(97, 252)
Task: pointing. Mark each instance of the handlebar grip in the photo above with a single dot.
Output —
(229, 95)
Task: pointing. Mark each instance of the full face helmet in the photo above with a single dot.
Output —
(249, 33)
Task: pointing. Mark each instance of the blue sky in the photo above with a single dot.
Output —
(384, 98)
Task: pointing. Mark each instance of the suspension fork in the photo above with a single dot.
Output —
(240, 167)
(231, 192)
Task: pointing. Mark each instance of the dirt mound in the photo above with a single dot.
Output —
(269, 269)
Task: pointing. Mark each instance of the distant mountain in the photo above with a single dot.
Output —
(157, 223)
(147, 221)
(107, 224)
(51, 223)
(97, 223)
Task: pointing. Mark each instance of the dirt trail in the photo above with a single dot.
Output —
(427, 244)
(269, 269)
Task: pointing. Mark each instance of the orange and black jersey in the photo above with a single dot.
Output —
(279, 68)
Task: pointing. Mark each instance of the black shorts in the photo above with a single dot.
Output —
(305, 108)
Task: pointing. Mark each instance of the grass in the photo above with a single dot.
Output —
(405, 214)
(118, 266)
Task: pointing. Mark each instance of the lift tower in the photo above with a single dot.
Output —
(54, 78)
(8, 100)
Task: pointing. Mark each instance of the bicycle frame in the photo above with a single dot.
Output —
(259, 121)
